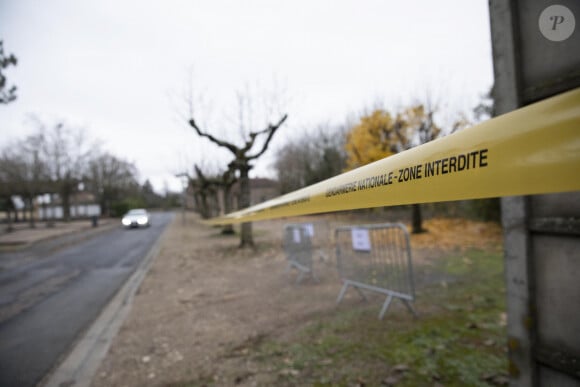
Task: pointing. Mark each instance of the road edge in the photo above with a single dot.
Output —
(83, 361)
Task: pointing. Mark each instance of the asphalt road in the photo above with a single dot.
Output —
(46, 303)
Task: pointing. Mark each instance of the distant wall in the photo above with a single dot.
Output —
(76, 211)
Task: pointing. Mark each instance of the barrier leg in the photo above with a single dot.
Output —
(411, 309)
(385, 306)
(342, 291)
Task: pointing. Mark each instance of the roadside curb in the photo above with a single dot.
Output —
(83, 361)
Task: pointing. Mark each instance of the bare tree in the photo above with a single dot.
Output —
(226, 182)
(25, 172)
(242, 164)
(33, 174)
(8, 186)
(314, 156)
(485, 109)
(67, 152)
(109, 178)
(205, 192)
(416, 126)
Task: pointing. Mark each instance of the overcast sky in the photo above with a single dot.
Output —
(121, 68)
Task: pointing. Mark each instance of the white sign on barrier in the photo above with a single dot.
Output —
(309, 227)
(296, 233)
(360, 239)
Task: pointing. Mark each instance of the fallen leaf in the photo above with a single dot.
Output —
(391, 380)
(496, 379)
(289, 372)
(501, 380)
(400, 368)
(503, 319)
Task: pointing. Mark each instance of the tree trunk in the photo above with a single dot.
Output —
(66, 191)
(228, 229)
(31, 201)
(246, 237)
(203, 207)
(417, 221)
(103, 205)
(50, 220)
(197, 200)
(9, 227)
(215, 203)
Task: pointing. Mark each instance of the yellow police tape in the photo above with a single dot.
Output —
(533, 150)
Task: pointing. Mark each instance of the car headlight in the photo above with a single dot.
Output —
(126, 222)
(142, 220)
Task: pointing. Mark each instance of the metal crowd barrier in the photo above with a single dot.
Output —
(376, 258)
(320, 236)
(298, 248)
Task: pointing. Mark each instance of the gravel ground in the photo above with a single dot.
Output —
(204, 301)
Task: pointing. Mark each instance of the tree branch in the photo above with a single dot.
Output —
(270, 130)
(232, 148)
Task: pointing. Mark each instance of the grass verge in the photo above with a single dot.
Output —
(459, 339)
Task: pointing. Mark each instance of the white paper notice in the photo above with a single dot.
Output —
(361, 240)
(296, 232)
(309, 227)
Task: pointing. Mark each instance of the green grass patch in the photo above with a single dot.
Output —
(457, 341)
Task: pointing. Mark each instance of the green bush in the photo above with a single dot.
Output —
(120, 208)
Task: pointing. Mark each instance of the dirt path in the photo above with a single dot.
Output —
(204, 302)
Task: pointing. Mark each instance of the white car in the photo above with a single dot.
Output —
(136, 218)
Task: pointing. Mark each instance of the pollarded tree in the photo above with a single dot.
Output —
(205, 192)
(244, 155)
(226, 182)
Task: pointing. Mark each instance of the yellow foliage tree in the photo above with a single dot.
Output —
(380, 135)
(372, 139)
